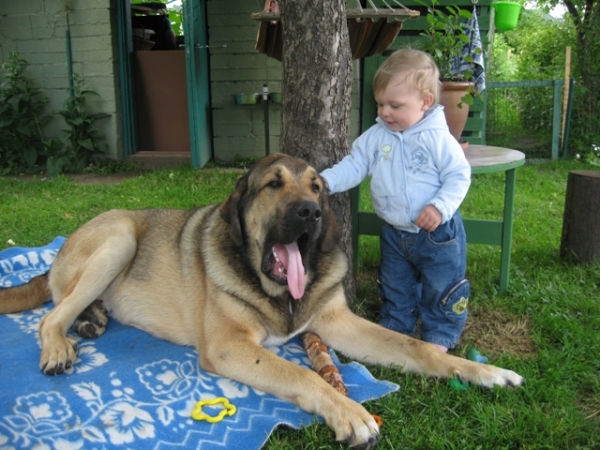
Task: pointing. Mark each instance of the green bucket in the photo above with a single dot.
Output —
(506, 15)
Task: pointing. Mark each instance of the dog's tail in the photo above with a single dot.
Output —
(26, 297)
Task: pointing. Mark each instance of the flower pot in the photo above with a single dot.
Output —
(275, 97)
(506, 15)
(246, 99)
(450, 98)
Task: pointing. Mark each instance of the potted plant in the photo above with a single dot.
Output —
(445, 39)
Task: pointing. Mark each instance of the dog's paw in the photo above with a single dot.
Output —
(91, 323)
(507, 378)
(353, 425)
(371, 443)
(58, 357)
(490, 376)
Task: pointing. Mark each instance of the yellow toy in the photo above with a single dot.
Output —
(228, 410)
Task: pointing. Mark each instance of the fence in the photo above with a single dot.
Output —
(526, 116)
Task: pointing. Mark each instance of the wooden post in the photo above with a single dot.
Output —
(580, 239)
(566, 92)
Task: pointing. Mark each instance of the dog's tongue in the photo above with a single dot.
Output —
(295, 271)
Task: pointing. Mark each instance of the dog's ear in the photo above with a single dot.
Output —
(330, 235)
(230, 210)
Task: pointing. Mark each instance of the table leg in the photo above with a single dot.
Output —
(507, 229)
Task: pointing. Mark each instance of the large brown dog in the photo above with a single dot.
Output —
(255, 270)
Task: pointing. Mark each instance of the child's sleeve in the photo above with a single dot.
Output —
(351, 170)
(455, 178)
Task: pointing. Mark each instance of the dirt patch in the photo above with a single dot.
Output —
(496, 332)
(492, 332)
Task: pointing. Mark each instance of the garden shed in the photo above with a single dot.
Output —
(198, 79)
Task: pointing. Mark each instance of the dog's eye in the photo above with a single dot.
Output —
(316, 188)
(275, 184)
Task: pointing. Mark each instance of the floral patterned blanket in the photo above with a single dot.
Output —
(130, 390)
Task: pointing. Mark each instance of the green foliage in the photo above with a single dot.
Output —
(81, 144)
(22, 143)
(446, 37)
(22, 106)
(514, 119)
(176, 18)
(106, 166)
(174, 11)
(503, 65)
(592, 156)
(535, 50)
(585, 122)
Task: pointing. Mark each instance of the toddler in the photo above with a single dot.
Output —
(419, 178)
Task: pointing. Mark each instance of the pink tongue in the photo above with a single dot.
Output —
(295, 271)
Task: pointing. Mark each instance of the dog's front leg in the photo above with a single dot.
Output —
(244, 360)
(367, 342)
(75, 290)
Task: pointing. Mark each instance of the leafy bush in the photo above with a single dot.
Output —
(585, 122)
(22, 106)
(22, 144)
(541, 47)
(593, 156)
(540, 43)
(81, 144)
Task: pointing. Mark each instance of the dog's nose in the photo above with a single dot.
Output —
(309, 212)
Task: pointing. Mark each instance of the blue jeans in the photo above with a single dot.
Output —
(422, 275)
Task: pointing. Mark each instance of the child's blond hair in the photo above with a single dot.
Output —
(418, 68)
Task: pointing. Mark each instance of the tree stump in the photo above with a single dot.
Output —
(580, 239)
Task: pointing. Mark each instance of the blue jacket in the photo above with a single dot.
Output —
(423, 165)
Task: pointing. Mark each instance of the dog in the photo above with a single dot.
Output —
(253, 271)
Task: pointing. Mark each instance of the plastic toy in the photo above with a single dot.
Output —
(458, 384)
(378, 420)
(228, 410)
(474, 355)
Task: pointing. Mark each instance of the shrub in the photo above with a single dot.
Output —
(22, 106)
(81, 144)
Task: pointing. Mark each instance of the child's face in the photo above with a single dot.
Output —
(401, 106)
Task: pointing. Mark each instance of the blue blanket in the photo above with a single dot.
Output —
(131, 390)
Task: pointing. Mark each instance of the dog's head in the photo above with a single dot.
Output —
(279, 211)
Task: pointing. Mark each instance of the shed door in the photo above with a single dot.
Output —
(197, 70)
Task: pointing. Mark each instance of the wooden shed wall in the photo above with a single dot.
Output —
(236, 67)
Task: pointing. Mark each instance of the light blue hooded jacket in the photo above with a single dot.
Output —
(423, 165)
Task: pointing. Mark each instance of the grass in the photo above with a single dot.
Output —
(547, 328)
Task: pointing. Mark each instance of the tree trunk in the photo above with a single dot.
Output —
(317, 83)
(581, 222)
(586, 18)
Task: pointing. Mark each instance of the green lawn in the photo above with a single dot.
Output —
(547, 328)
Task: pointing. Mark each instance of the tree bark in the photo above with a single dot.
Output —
(317, 83)
(581, 222)
(586, 18)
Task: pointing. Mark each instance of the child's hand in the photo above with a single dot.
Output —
(429, 219)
